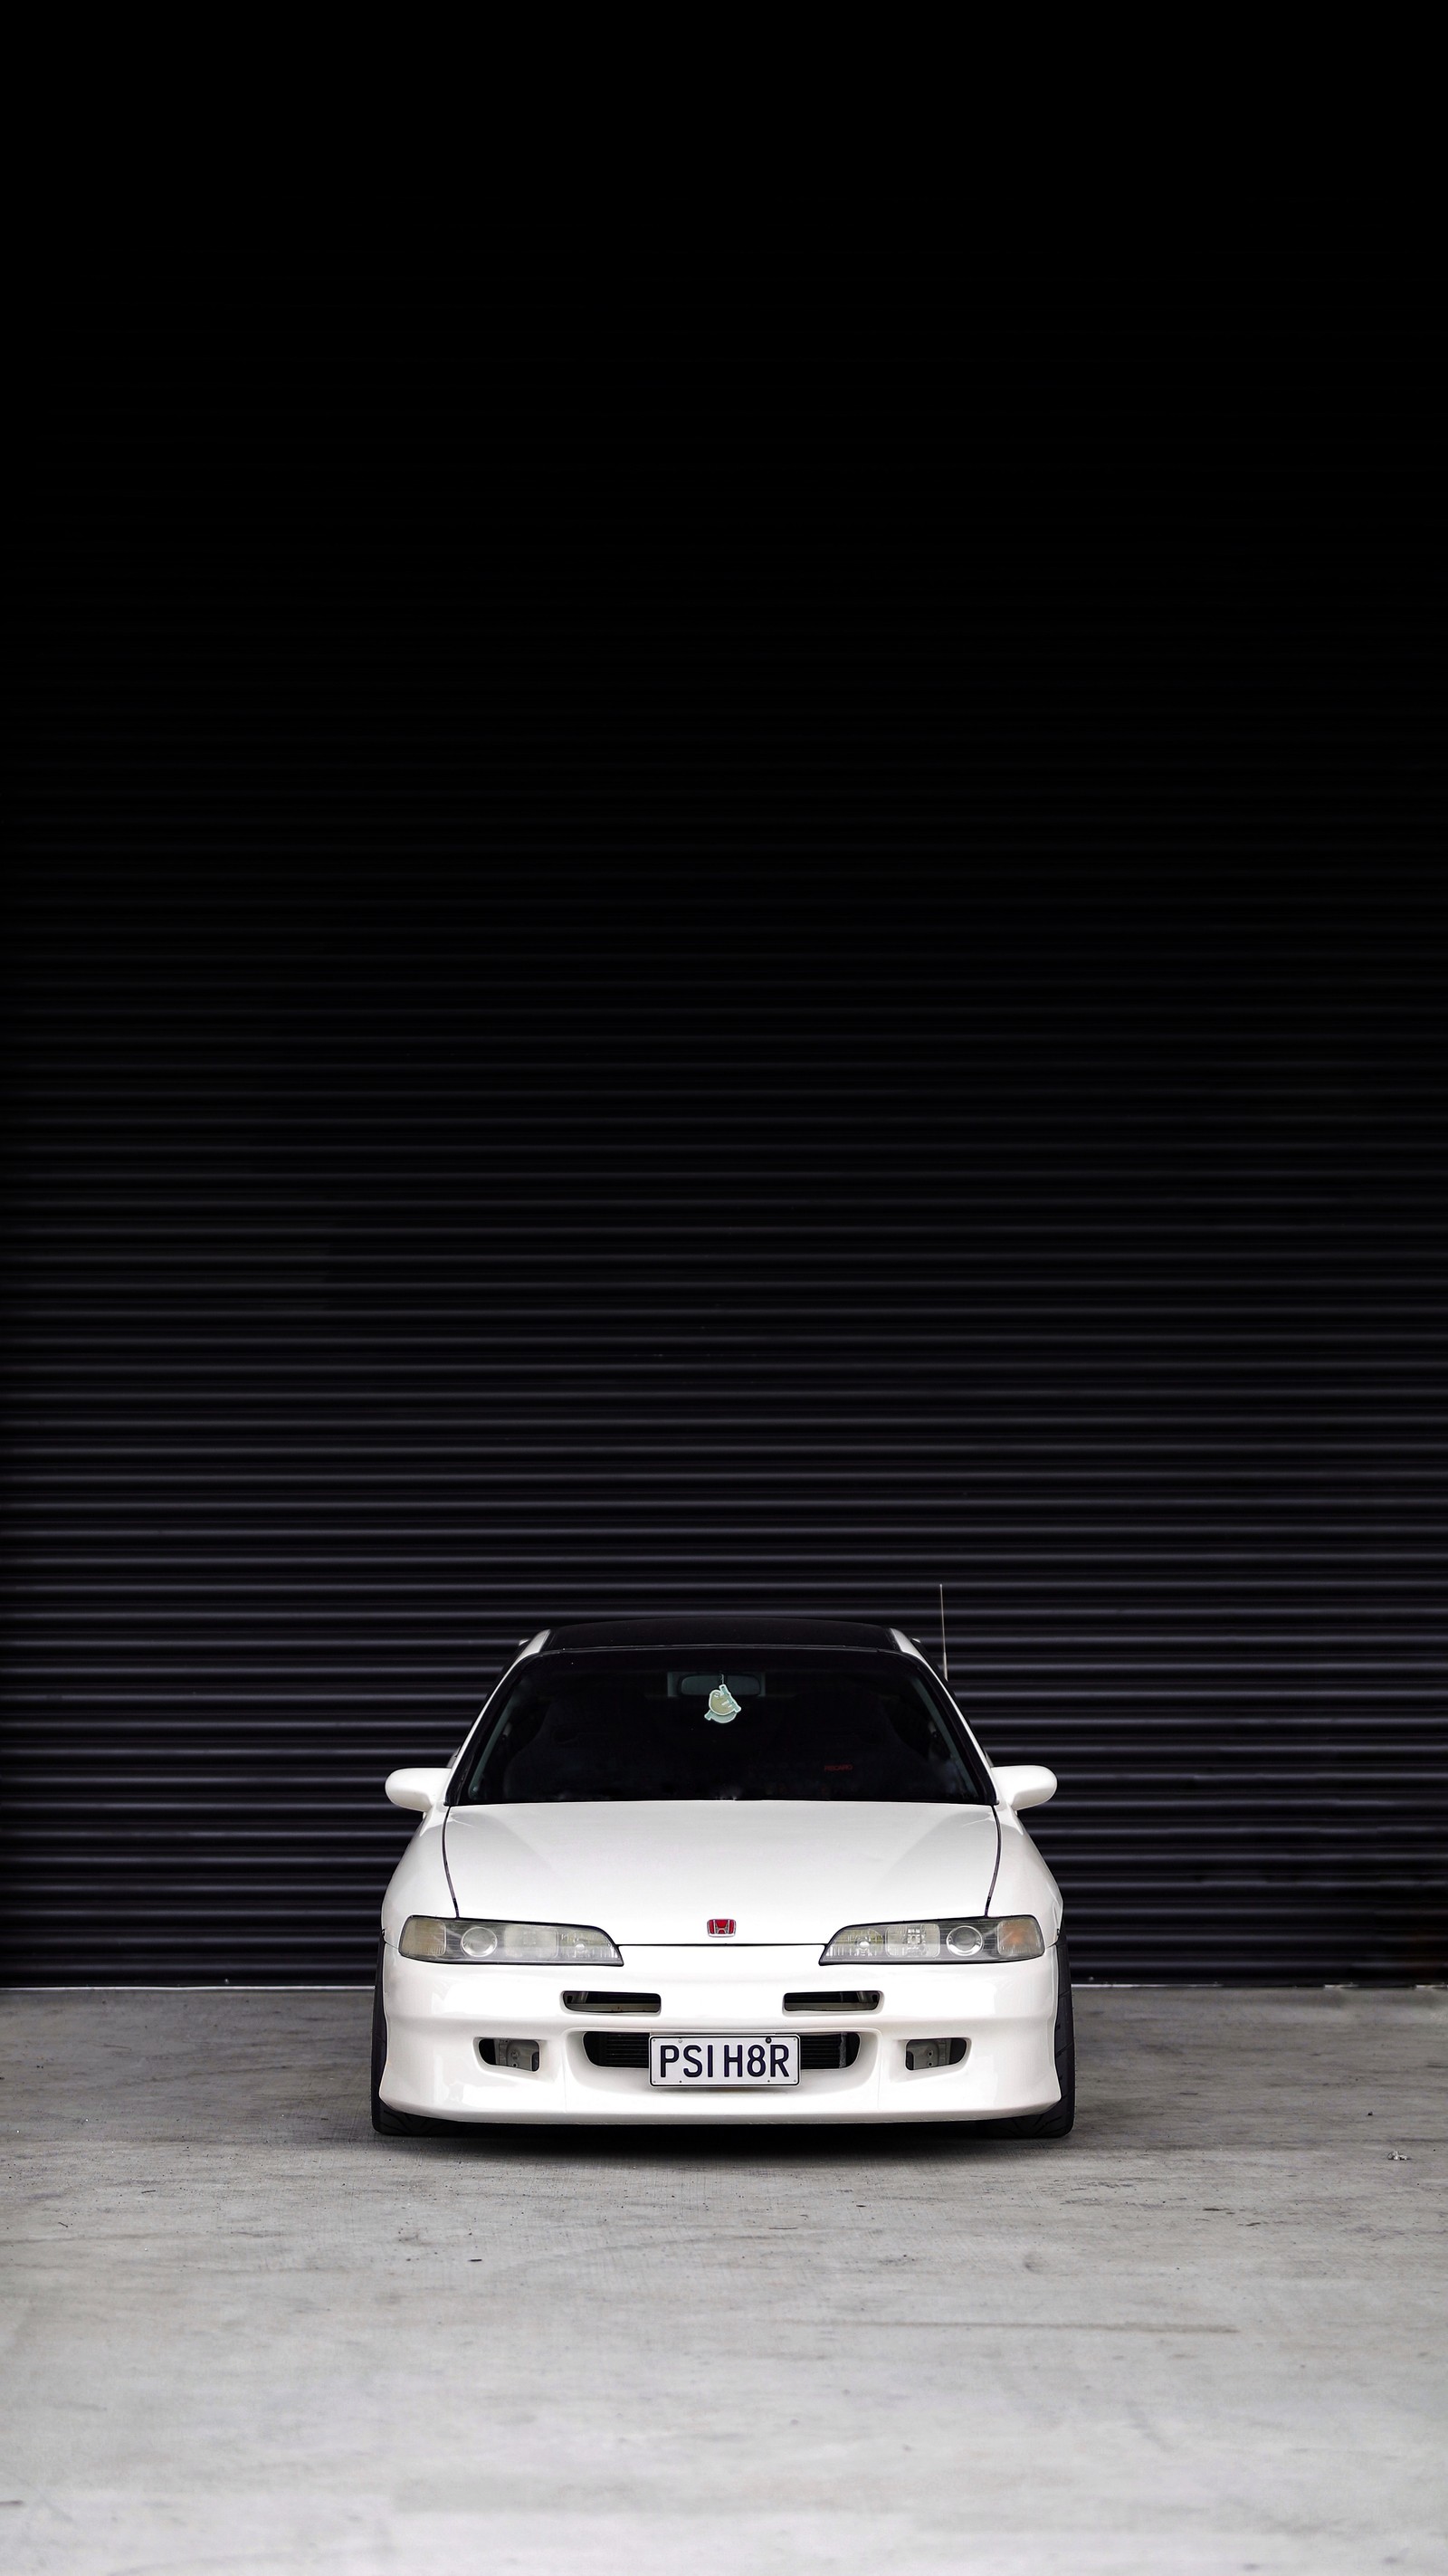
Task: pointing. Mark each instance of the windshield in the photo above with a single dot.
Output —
(598, 1727)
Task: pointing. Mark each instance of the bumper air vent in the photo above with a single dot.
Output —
(583, 1999)
(520, 2055)
(848, 1999)
(828, 2048)
(616, 2047)
(922, 2054)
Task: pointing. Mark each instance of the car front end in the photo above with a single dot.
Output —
(836, 1916)
(901, 2043)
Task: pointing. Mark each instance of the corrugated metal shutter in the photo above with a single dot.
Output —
(573, 1084)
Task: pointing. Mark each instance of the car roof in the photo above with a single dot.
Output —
(734, 1630)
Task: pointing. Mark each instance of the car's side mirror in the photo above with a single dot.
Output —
(1024, 1784)
(416, 1789)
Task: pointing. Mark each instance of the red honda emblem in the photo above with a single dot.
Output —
(720, 1925)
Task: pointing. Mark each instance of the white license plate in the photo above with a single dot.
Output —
(710, 2062)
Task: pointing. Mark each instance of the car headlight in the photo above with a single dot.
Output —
(470, 1944)
(952, 1940)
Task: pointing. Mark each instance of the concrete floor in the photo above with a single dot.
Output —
(1207, 2333)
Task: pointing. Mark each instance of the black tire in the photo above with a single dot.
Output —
(1059, 2121)
(387, 2122)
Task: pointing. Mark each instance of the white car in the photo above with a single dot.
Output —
(748, 1869)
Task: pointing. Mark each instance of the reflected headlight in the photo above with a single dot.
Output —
(952, 1940)
(471, 1944)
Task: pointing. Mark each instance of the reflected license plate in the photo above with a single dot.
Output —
(711, 2062)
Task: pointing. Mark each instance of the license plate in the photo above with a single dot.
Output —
(711, 2062)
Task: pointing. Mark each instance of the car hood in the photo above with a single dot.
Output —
(656, 1872)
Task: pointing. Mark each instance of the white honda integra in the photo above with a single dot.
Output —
(749, 1869)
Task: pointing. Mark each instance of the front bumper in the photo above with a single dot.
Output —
(436, 2017)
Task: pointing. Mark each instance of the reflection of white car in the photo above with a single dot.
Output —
(750, 1869)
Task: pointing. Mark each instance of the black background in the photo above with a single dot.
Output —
(726, 989)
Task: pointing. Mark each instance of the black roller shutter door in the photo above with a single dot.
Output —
(592, 1086)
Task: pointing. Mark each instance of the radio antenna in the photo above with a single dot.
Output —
(944, 1657)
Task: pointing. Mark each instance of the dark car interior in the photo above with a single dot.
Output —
(789, 1731)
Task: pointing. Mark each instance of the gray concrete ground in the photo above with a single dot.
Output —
(1205, 2334)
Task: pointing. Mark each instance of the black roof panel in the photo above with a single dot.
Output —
(734, 1631)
